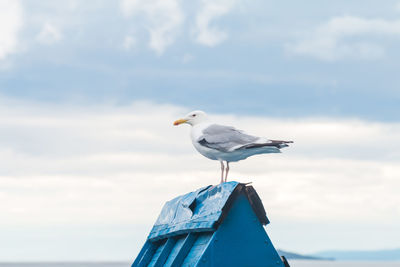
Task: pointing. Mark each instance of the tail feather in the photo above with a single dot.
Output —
(283, 142)
(274, 143)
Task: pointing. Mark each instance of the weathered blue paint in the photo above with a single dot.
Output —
(184, 250)
(145, 255)
(178, 253)
(212, 226)
(166, 251)
(197, 211)
(240, 240)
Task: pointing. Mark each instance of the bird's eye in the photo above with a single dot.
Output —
(193, 115)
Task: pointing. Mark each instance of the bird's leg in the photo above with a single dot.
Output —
(226, 171)
(222, 171)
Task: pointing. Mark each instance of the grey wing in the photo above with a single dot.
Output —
(224, 138)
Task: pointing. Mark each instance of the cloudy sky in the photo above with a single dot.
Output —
(89, 91)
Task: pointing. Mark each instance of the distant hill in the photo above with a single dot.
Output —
(375, 255)
(295, 256)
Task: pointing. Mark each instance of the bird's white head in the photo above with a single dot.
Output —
(193, 118)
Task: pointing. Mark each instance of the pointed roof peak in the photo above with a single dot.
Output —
(203, 210)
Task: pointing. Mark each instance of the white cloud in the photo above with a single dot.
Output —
(11, 21)
(163, 19)
(66, 165)
(332, 40)
(205, 32)
(132, 151)
(49, 34)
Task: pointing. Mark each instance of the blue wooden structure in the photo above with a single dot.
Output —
(212, 226)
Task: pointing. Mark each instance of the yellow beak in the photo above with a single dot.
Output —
(180, 121)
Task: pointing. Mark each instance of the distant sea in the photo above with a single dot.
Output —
(293, 263)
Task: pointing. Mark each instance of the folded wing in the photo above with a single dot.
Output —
(227, 139)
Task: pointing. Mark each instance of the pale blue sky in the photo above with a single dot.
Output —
(267, 58)
(88, 91)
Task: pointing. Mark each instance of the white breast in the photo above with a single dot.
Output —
(195, 134)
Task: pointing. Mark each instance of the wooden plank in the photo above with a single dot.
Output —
(187, 245)
(147, 256)
(159, 248)
(197, 249)
(141, 253)
(165, 252)
(175, 250)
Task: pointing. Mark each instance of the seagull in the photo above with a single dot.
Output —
(225, 143)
